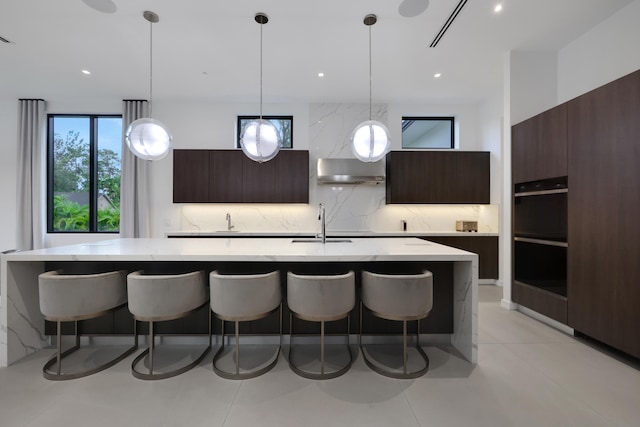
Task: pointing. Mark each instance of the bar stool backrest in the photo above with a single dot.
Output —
(165, 297)
(398, 297)
(243, 296)
(321, 297)
(80, 296)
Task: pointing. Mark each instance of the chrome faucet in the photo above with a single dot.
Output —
(323, 228)
(229, 226)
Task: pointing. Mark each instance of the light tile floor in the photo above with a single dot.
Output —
(527, 375)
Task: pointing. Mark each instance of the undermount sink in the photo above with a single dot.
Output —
(319, 240)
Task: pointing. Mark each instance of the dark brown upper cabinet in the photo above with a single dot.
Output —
(190, 176)
(228, 176)
(438, 177)
(539, 146)
(225, 176)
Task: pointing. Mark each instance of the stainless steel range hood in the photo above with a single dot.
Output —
(350, 171)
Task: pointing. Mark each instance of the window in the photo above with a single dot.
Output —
(427, 132)
(283, 124)
(83, 173)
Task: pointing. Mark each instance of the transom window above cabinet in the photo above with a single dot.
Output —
(428, 132)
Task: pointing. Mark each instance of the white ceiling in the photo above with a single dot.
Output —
(210, 49)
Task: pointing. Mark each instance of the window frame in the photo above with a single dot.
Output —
(93, 172)
(254, 117)
(450, 119)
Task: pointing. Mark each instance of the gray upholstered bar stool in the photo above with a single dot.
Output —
(74, 297)
(320, 299)
(401, 298)
(241, 298)
(158, 298)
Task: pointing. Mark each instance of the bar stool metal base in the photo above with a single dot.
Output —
(56, 360)
(405, 374)
(150, 375)
(322, 375)
(237, 375)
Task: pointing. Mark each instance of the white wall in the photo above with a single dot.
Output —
(533, 83)
(8, 171)
(606, 52)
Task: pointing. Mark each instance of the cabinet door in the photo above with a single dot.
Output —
(485, 246)
(292, 177)
(406, 178)
(258, 181)
(471, 181)
(225, 177)
(604, 201)
(552, 143)
(524, 150)
(539, 146)
(190, 176)
(445, 177)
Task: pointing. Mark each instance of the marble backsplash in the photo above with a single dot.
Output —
(348, 208)
(349, 211)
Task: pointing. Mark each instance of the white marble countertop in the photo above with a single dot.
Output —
(248, 249)
(368, 234)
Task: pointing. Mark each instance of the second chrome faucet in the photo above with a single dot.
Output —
(323, 228)
(229, 226)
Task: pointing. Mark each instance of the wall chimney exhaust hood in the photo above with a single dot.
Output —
(350, 171)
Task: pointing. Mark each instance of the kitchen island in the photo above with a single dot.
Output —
(22, 325)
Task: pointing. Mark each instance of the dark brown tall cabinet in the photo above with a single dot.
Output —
(604, 204)
(602, 253)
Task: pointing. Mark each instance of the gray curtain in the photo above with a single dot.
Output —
(134, 184)
(31, 190)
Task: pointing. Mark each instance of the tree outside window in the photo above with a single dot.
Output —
(84, 168)
(283, 125)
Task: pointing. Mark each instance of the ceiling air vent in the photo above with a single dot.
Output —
(3, 40)
(448, 23)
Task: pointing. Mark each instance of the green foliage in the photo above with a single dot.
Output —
(109, 174)
(71, 163)
(69, 215)
(109, 220)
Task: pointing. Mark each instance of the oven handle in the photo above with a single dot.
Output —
(542, 192)
(541, 242)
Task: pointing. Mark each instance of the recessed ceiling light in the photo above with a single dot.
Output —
(87, 72)
(320, 74)
(498, 8)
(437, 75)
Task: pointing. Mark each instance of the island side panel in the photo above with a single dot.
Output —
(465, 309)
(22, 321)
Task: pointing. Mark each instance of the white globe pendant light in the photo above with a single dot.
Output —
(147, 138)
(259, 139)
(370, 140)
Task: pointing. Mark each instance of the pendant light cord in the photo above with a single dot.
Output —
(150, 67)
(370, 79)
(261, 25)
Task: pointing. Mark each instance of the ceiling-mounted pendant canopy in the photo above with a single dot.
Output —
(147, 138)
(260, 140)
(370, 140)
